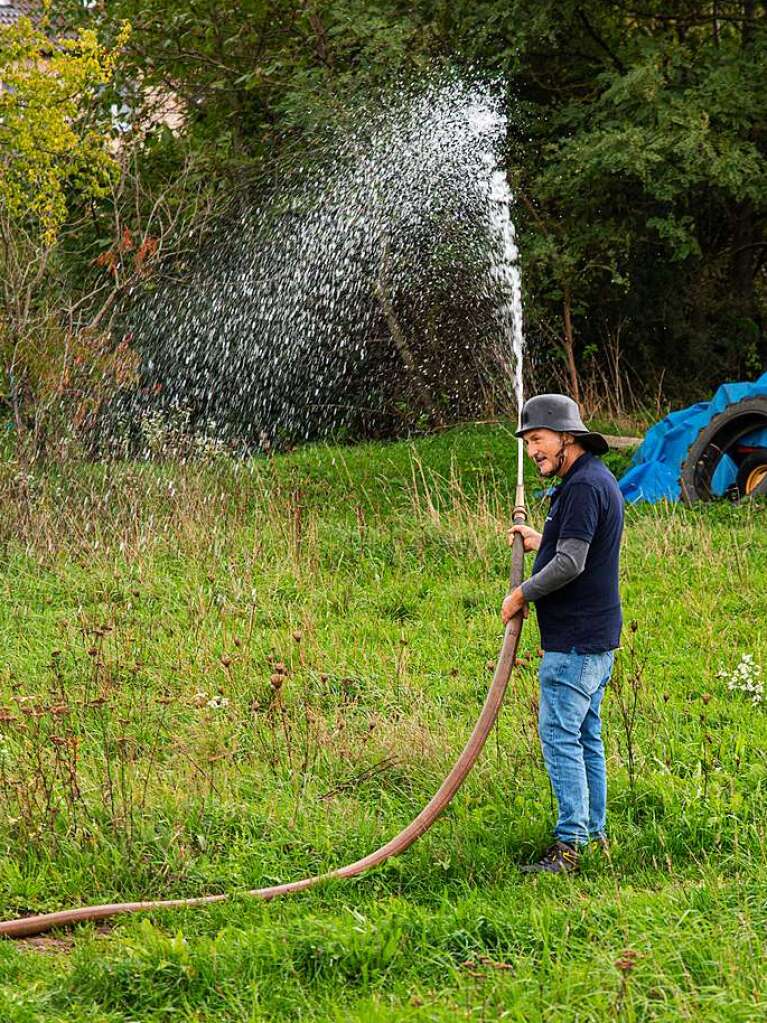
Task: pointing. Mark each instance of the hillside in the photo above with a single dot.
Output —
(217, 675)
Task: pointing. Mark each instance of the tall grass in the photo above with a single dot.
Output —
(218, 674)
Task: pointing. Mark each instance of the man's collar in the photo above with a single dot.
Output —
(578, 464)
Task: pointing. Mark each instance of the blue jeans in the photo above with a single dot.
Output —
(572, 687)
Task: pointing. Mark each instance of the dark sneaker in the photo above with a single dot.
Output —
(559, 858)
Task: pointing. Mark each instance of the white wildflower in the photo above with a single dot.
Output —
(745, 678)
(218, 703)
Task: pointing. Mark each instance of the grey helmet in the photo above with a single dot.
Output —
(559, 413)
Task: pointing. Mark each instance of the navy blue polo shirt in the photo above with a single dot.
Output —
(585, 613)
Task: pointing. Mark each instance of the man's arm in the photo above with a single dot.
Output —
(567, 564)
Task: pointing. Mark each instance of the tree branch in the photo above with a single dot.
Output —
(620, 67)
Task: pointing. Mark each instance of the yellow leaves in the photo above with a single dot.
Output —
(50, 89)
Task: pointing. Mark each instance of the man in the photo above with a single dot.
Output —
(574, 586)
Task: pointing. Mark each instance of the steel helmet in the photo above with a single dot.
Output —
(559, 413)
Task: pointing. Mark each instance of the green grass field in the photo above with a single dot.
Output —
(218, 675)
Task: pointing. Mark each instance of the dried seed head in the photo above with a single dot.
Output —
(93, 652)
(237, 641)
(276, 680)
(280, 667)
(706, 697)
(297, 635)
(634, 625)
(627, 960)
(490, 665)
(226, 661)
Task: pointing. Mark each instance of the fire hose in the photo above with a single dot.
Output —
(26, 927)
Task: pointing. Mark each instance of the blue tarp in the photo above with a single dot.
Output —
(656, 466)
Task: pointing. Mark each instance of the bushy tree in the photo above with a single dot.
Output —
(55, 157)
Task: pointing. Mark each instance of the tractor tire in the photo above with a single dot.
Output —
(752, 474)
(715, 440)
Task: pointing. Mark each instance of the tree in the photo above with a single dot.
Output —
(55, 153)
(639, 154)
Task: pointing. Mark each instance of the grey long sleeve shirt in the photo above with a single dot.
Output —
(567, 564)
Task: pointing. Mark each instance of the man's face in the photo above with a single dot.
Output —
(544, 447)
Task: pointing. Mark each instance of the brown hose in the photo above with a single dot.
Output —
(29, 926)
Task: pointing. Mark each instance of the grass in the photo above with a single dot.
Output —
(218, 675)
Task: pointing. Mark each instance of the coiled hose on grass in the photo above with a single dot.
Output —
(27, 927)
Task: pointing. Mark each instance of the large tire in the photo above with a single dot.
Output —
(715, 440)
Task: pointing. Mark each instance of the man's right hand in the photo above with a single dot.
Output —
(530, 537)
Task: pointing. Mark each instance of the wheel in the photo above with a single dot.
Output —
(752, 473)
(717, 439)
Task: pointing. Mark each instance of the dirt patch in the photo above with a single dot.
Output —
(55, 944)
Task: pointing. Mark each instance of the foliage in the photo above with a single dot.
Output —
(51, 141)
(655, 175)
(56, 160)
(636, 150)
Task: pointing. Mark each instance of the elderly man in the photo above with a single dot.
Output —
(574, 586)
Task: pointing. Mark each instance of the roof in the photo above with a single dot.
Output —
(12, 10)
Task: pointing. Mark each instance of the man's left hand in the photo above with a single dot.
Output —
(513, 604)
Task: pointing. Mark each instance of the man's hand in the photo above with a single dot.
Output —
(513, 604)
(531, 538)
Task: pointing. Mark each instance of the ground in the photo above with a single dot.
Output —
(218, 675)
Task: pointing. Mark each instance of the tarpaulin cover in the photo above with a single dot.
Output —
(656, 466)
